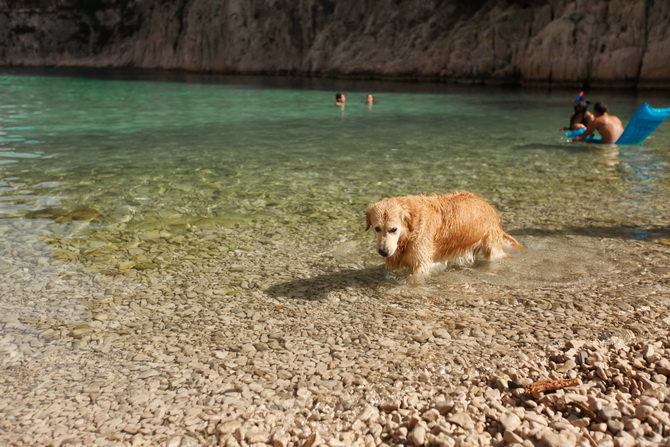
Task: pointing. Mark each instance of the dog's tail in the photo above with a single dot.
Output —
(511, 242)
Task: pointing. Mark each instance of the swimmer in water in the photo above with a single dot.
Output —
(581, 117)
(609, 126)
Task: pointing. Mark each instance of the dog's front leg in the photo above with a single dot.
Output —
(421, 258)
(418, 277)
(420, 268)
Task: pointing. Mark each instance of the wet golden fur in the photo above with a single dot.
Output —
(414, 232)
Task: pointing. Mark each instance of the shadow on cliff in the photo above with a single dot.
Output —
(316, 288)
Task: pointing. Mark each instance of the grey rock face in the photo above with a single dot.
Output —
(559, 42)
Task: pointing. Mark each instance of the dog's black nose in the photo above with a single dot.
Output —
(383, 252)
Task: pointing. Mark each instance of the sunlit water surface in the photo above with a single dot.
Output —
(92, 169)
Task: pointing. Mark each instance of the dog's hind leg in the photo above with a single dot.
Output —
(497, 253)
(492, 249)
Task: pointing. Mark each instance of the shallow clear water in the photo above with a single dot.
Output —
(87, 162)
(166, 239)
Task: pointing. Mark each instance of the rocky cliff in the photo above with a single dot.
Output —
(558, 42)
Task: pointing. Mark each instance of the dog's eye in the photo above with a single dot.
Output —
(378, 229)
(393, 230)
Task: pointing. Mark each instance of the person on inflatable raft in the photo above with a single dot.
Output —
(609, 126)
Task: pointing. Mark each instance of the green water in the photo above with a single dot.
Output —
(91, 166)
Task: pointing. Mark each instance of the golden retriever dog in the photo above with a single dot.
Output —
(415, 232)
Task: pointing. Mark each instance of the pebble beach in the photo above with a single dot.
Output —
(322, 346)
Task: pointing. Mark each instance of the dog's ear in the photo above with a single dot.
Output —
(368, 222)
(408, 217)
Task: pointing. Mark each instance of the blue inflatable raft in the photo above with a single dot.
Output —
(577, 132)
(645, 120)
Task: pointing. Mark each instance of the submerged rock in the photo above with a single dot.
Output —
(64, 215)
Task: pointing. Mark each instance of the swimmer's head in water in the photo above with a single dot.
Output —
(582, 104)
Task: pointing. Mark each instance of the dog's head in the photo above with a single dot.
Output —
(391, 222)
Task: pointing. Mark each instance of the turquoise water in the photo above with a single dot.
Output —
(86, 162)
